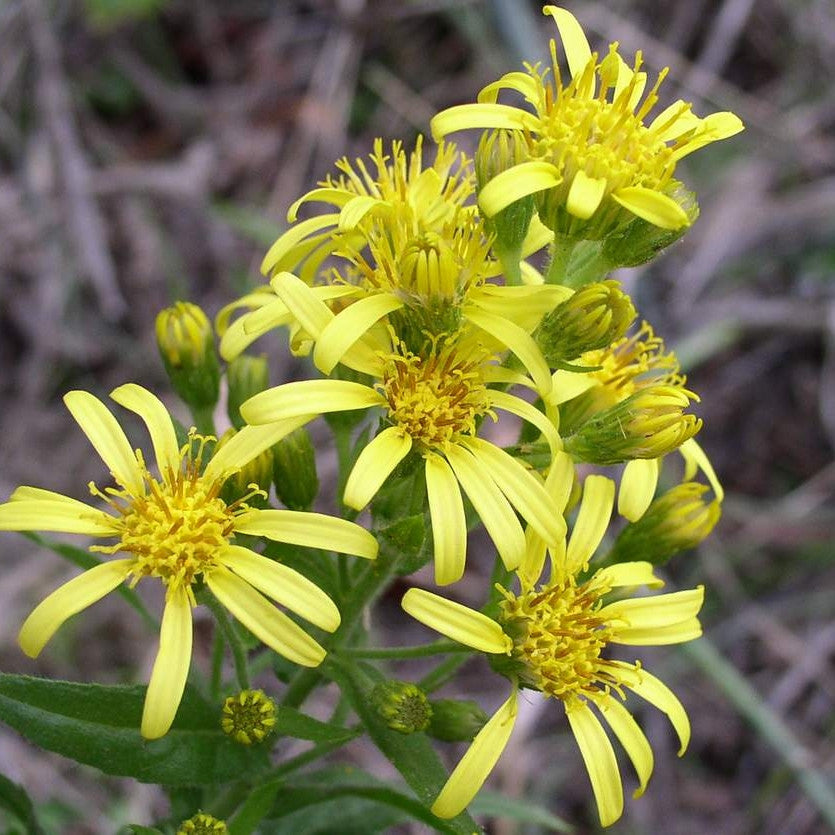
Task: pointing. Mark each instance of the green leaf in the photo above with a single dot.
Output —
(291, 722)
(407, 539)
(411, 754)
(491, 804)
(99, 726)
(13, 798)
(137, 829)
(254, 809)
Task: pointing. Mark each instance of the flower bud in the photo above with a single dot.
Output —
(647, 424)
(640, 241)
(186, 344)
(594, 317)
(497, 151)
(294, 470)
(246, 376)
(248, 717)
(455, 721)
(403, 706)
(252, 482)
(677, 520)
(202, 824)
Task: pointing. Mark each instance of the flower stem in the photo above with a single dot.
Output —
(424, 651)
(232, 638)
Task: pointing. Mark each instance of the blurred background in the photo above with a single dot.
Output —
(149, 150)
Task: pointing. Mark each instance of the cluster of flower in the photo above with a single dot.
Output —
(414, 295)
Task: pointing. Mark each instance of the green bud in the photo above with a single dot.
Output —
(594, 317)
(252, 482)
(640, 241)
(248, 716)
(186, 344)
(647, 424)
(403, 706)
(246, 376)
(454, 721)
(499, 150)
(676, 521)
(202, 824)
(294, 470)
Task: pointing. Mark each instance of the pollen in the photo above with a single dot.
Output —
(176, 527)
(437, 397)
(558, 637)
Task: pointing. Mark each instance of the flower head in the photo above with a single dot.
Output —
(203, 824)
(174, 526)
(248, 716)
(591, 161)
(553, 636)
(433, 403)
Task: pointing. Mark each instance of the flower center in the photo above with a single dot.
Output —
(175, 529)
(435, 398)
(557, 637)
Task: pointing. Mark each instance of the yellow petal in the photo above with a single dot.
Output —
(521, 82)
(592, 521)
(515, 183)
(108, 439)
(656, 612)
(637, 487)
(696, 458)
(516, 406)
(283, 584)
(248, 444)
(673, 633)
(375, 464)
(490, 504)
(293, 236)
(566, 385)
(258, 298)
(309, 397)
(160, 427)
(630, 736)
(243, 332)
(653, 206)
(458, 622)
(674, 121)
(475, 766)
(637, 573)
(465, 116)
(311, 530)
(523, 490)
(574, 42)
(356, 209)
(516, 340)
(524, 304)
(449, 524)
(599, 757)
(335, 196)
(53, 513)
(653, 690)
(168, 677)
(68, 600)
(350, 325)
(585, 195)
(261, 618)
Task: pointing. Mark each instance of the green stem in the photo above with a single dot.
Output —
(442, 673)
(232, 638)
(217, 665)
(561, 250)
(424, 651)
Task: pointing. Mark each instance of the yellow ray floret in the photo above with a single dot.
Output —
(590, 154)
(552, 637)
(173, 525)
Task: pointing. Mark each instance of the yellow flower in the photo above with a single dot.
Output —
(175, 527)
(434, 403)
(248, 716)
(553, 638)
(592, 162)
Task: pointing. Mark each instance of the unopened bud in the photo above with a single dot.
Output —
(252, 482)
(647, 424)
(248, 717)
(294, 470)
(677, 520)
(403, 706)
(594, 317)
(640, 241)
(498, 151)
(246, 376)
(455, 721)
(187, 346)
(202, 824)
